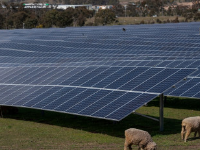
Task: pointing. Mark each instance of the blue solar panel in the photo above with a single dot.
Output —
(150, 72)
(157, 78)
(75, 99)
(170, 81)
(164, 64)
(126, 78)
(196, 73)
(195, 64)
(97, 96)
(174, 64)
(87, 102)
(114, 104)
(101, 76)
(103, 73)
(186, 85)
(33, 92)
(88, 76)
(63, 98)
(192, 91)
(185, 64)
(113, 77)
(44, 92)
(133, 104)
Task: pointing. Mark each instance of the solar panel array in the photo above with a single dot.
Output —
(100, 72)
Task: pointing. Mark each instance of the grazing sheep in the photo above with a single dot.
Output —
(190, 124)
(138, 137)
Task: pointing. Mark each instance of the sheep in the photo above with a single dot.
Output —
(138, 137)
(190, 124)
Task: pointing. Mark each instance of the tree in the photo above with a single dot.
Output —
(197, 16)
(19, 18)
(64, 18)
(152, 12)
(169, 12)
(119, 10)
(31, 22)
(80, 14)
(50, 18)
(1, 21)
(105, 16)
(178, 10)
(131, 10)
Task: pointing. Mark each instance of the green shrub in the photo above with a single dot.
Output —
(142, 22)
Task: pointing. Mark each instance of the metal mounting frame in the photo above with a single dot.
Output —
(161, 118)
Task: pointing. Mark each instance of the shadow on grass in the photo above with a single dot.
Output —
(172, 126)
(178, 103)
(192, 139)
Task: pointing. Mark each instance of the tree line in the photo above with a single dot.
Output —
(14, 15)
(156, 7)
(93, 2)
(73, 2)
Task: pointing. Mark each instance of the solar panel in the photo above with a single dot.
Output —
(186, 88)
(98, 71)
(15, 90)
(97, 103)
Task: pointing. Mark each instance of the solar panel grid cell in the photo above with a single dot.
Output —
(130, 106)
(64, 98)
(169, 81)
(113, 105)
(155, 79)
(20, 95)
(177, 90)
(192, 91)
(26, 96)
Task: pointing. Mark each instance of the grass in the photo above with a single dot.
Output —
(33, 129)
(137, 20)
(125, 0)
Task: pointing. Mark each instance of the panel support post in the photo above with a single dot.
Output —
(161, 120)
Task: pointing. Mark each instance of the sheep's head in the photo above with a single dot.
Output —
(151, 146)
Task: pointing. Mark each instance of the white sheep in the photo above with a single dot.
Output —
(190, 124)
(138, 137)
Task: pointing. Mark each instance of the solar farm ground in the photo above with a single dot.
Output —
(31, 129)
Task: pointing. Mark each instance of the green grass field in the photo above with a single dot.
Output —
(32, 129)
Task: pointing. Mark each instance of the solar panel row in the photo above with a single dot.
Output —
(98, 103)
(144, 79)
(98, 71)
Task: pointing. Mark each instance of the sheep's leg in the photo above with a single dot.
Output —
(127, 146)
(183, 132)
(188, 131)
(141, 147)
(195, 134)
(130, 148)
(199, 133)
